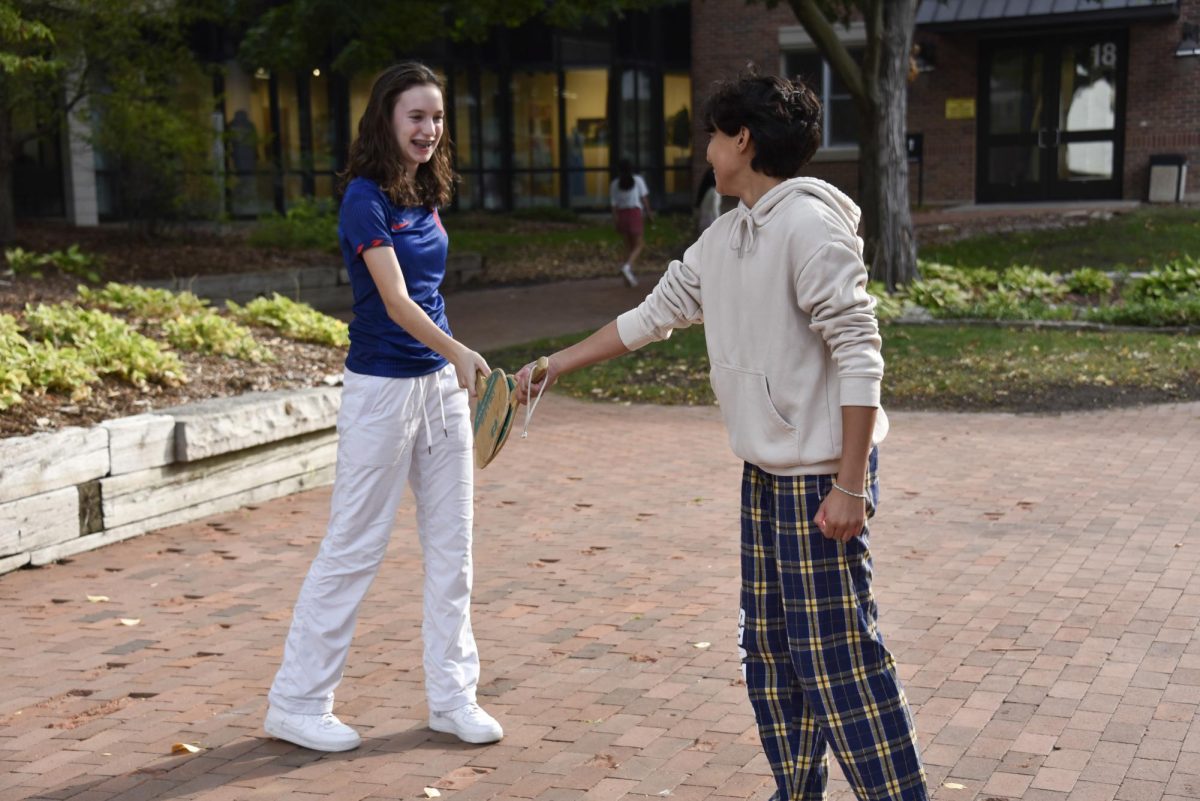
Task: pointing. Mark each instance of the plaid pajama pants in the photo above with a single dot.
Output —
(815, 664)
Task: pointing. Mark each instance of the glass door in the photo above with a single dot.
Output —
(1052, 118)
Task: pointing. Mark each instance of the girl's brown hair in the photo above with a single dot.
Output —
(376, 155)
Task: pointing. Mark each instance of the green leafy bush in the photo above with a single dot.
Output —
(143, 301)
(887, 307)
(72, 260)
(209, 332)
(105, 343)
(62, 370)
(25, 365)
(296, 320)
(1090, 282)
(1173, 280)
(969, 278)
(307, 224)
(1030, 282)
(14, 351)
(941, 297)
(1150, 312)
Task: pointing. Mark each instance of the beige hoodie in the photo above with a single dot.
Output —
(791, 330)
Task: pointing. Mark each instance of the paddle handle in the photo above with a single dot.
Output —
(480, 384)
(539, 369)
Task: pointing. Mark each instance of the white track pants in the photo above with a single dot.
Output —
(390, 429)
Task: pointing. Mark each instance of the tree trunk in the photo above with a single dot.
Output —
(891, 251)
(8, 223)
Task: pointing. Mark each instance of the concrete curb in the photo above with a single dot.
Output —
(76, 489)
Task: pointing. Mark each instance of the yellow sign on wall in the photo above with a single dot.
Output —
(960, 108)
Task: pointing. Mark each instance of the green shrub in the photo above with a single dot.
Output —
(209, 332)
(999, 304)
(62, 370)
(14, 355)
(105, 343)
(25, 364)
(1031, 282)
(1172, 280)
(308, 224)
(72, 260)
(24, 262)
(296, 320)
(143, 301)
(941, 297)
(969, 278)
(887, 307)
(1150, 312)
(1090, 282)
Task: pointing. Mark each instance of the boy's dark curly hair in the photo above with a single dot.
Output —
(783, 117)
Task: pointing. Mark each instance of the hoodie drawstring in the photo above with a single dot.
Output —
(741, 236)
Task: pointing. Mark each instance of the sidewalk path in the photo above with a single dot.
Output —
(486, 319)
(1038, 578)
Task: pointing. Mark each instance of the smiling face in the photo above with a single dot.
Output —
(418, 120)
(730, 158)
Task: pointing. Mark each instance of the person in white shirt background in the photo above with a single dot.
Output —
(630, 200)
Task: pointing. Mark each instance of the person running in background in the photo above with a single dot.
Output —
(404, 419)
(630, 200)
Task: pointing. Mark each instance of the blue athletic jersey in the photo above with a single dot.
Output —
(368, 220)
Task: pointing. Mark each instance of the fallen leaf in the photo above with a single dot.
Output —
(97, 599)
(954, 786)
(130, 621)
(185, 748)
(433, 792)
(701, 644)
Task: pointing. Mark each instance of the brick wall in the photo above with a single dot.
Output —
(1162, 96)
(726, 34)
(1162, 110)
(949, 144)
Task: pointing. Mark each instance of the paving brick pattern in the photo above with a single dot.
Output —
(1037, 577)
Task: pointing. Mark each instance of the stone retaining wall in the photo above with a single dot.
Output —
(76, 489)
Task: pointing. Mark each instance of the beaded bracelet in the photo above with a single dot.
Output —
(862, 496)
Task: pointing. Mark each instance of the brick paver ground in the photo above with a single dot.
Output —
(1037, 577)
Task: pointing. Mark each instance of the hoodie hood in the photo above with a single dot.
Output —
(747, 221)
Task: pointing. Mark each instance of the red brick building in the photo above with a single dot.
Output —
(1016, 100)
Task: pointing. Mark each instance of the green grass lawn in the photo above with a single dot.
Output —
(965, 368)
(1134, 241)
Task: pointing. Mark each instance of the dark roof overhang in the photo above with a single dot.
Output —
(996, 15)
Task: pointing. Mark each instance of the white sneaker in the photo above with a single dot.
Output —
(468, 723)
(318, 732)
(627, 274)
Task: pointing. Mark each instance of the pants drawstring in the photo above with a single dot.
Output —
(442, 410)
(424, 383)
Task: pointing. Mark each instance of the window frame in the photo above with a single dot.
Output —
(794, 39)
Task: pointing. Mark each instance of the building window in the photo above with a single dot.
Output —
(677, 138)
(586, 96)
(841, 117)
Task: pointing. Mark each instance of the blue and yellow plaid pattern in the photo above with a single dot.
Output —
(815, 664)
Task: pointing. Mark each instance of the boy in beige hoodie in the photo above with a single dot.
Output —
(780, 286)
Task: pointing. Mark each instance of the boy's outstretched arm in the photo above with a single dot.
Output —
(600, 346)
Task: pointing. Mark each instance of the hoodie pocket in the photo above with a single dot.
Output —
(757, 432)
